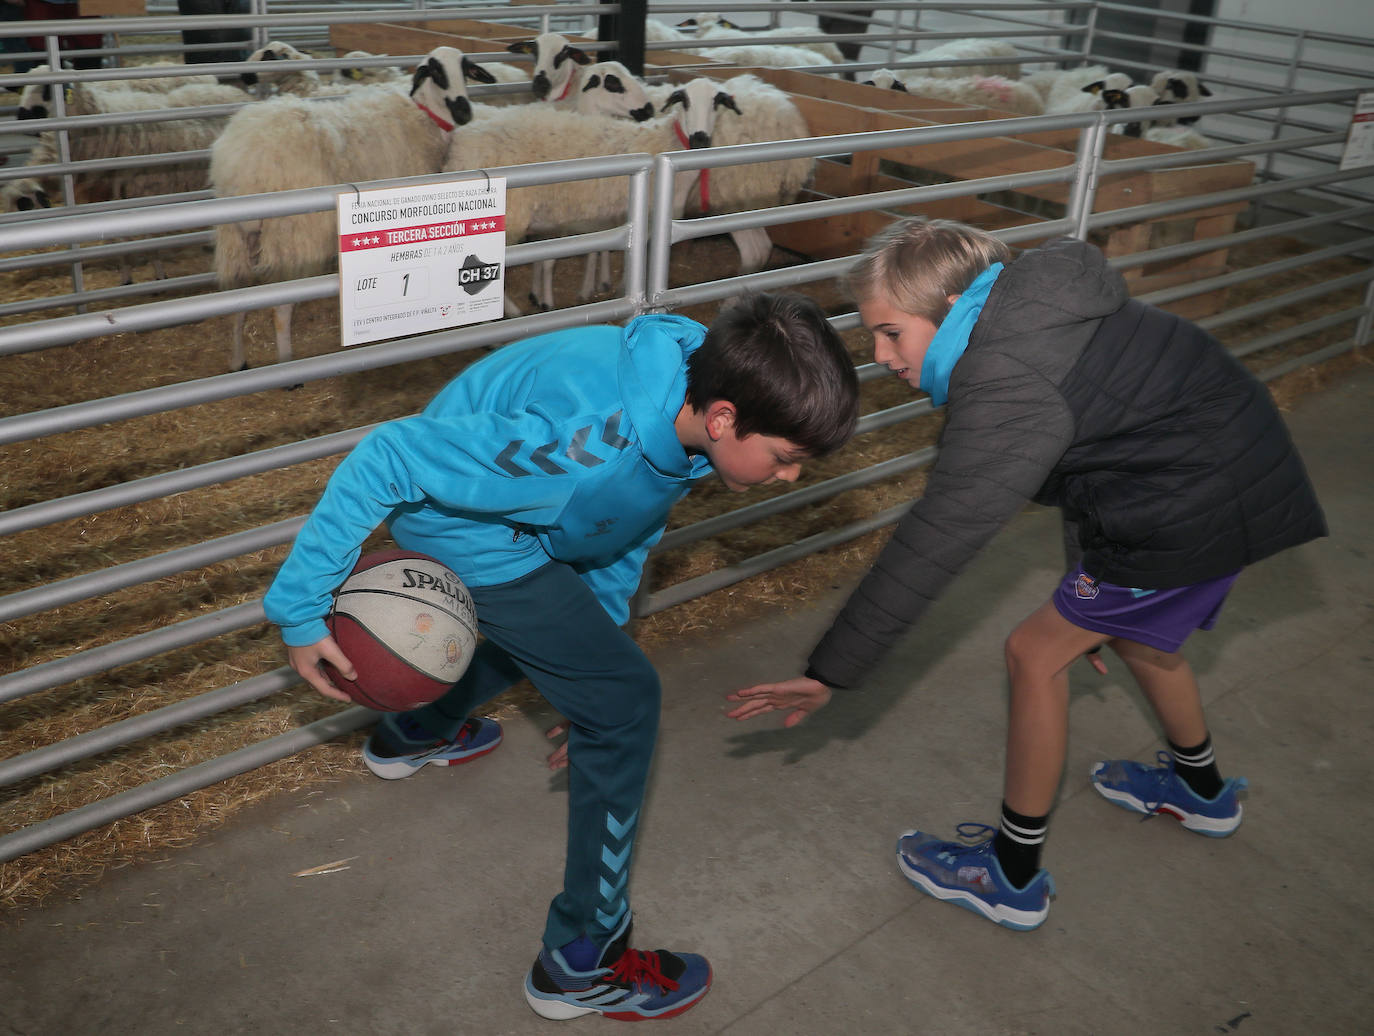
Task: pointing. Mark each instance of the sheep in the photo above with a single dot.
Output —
(766, 55)
(34, 98)
(655, 31)
(1176, 86)
(986, 91)
(612, 90)
(1176, 136)
(1137, 96)
(371, 133)
(542, 133)
(1077, 89)
(965, 49)
(397, 78)
(163, 84)
(1060, 83)
(190, 134)
(300, 82)
(609, 88)
(714, 26)
(762, 112)
(368, 75)
(558, 66)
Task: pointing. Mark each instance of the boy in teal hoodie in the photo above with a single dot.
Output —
(542, 476)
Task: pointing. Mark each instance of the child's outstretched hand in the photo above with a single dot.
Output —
(1094, 658)
(802, 695)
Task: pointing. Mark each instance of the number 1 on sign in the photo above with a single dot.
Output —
(391, 286)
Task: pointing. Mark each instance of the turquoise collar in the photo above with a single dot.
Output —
(951, 339)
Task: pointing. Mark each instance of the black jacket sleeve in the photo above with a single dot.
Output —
(1006, 429)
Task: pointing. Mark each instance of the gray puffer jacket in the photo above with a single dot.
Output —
(1165, 452)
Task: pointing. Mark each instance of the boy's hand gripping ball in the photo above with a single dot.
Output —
(408, 626)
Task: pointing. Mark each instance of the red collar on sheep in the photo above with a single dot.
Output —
(442, 123)
(703, 184)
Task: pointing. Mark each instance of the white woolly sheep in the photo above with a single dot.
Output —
(967, 50)
(763, 112)
(542, 133)
(558, 64)
(162, 84)
(1176, 136)
(611, 90)
(766, 55)
(35, 98)
(1076, 89)
(1137, 96)
(301, 82)
(655, 31)
(371, 133)
(1176, 86)
(193, 133)
(715, 26)
(368, 75)
(985, 91)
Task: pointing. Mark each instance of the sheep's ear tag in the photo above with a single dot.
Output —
(68, 94)
(523, 47)
(355, 73)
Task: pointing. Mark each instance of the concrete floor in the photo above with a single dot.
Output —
(772, 851)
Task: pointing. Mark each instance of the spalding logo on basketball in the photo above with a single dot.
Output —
(407, 624)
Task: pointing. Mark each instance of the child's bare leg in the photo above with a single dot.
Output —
(1169, 685)
(1039, 652)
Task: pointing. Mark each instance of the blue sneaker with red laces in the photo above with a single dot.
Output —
(1158, 789)
(615, 981)
(970, 875)
(398, 745)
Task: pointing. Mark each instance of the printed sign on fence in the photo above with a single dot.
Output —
(1359, 143)
(419, 259)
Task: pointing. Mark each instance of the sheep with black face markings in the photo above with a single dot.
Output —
(35, 99)
(985, 91)
(558, 64)
(1175, 86)
(542, 133)
(712, 26)
(371, 133)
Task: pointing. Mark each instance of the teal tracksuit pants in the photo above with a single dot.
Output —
(549, 627)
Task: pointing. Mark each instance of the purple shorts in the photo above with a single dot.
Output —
(1161, 619)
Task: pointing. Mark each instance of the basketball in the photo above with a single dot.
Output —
(407, 624)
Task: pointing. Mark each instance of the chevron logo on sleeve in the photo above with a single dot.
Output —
(542, 457)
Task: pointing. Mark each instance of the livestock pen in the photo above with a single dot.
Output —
(148, 495)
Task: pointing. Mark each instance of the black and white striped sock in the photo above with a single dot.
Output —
(1018, 843)
(1197, 767)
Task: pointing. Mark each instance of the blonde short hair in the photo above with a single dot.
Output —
(916, 264)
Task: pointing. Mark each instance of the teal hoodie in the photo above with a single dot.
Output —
(557, 447)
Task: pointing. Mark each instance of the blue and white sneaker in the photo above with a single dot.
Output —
(971, 876)
(616, 982)
(1158, 789)
(398, 745)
